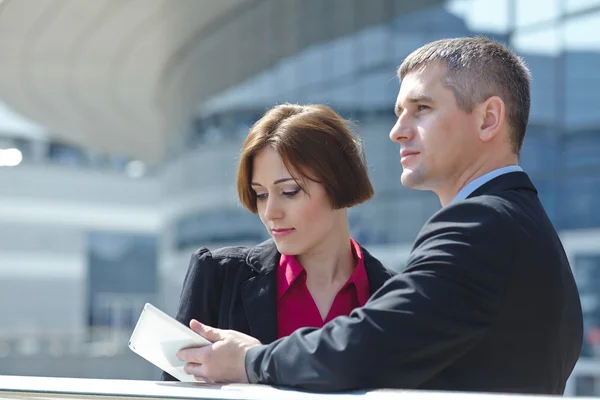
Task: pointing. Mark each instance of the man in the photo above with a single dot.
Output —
(487, 301)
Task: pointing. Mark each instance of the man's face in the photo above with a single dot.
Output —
(437, 139)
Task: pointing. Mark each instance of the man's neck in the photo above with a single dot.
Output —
(471, 174)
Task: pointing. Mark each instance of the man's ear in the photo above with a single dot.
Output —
(492, 113)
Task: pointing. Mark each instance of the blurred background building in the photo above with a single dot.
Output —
(121, 121)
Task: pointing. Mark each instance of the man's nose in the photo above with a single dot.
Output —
(402, 130)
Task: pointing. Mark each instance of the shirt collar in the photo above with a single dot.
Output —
(290, 269)
(477, 183)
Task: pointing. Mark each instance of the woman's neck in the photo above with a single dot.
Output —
(331, 263)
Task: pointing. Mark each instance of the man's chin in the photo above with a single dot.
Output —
(411, 180)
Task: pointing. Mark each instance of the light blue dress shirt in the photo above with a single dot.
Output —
(477, 183)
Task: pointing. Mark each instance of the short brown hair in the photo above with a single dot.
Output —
(316, 142)
(476, 69)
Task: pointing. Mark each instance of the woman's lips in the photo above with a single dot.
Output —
(281, 232)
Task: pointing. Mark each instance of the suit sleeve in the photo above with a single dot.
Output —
(201, 293)
(416, 324)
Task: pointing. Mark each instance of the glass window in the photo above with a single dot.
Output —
(577, 32)
(372, 12)
(224, 226)
(395, 216)
(482, 15)
(374, 47)
(122, 276)
(407, 34)
(414, 29)
(312, 20)
(539, 152)
(438, 23)
(541, 51)
(382, 155)
(582, 52)
(378, 90)
(346, 95)
(64, 154)
(586, 384)
(578, 199)
(342, 16)
(405, 42)
(581, 150)
(580, 5)
(546, 188)
(285, 76)
(529, 12)
(587, 275)
(343, 56)
(544, 41)
(309, 66)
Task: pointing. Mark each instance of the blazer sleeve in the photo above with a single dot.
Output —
(201, 293)
(416, 324)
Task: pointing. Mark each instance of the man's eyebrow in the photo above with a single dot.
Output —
(419, 98)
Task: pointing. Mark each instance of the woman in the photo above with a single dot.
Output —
(300, 169)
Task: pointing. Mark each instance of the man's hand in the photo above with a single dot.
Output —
(223, 361)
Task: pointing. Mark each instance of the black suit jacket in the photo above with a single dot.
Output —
(236, 288)
(487, 303)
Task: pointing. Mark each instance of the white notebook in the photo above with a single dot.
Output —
(158, 337)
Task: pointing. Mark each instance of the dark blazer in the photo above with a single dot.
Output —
(487, 303)
(236, 288)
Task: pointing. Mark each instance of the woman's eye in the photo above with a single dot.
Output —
(291, 193)
(261, 196)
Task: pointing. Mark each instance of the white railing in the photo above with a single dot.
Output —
(19, 387)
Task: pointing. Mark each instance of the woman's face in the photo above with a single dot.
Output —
(299, 221)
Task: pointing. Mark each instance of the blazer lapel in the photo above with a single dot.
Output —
(376, 272)
(259, 293)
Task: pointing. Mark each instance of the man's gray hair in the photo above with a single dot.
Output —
(476, 69)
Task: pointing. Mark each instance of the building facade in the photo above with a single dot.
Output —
(355, 74)
(93, 237)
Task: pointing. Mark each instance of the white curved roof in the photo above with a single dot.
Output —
(121, 75)
(103, 73)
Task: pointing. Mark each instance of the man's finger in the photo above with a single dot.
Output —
(193, 369)
(198, 371)
(209, 333)
(193, 354)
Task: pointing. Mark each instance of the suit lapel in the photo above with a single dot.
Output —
(259, 293)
